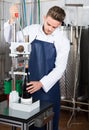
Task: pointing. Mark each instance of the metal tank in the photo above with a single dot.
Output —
(70, 79)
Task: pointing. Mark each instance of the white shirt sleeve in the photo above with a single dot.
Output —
(49, 80)
(8, 28)
(28, 30)
(7, 32)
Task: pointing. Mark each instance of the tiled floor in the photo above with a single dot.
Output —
(79, 121)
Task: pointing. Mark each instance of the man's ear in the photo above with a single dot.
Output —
(44, 17)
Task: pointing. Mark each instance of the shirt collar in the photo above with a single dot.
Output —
(41, 29)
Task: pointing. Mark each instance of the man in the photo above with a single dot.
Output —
(48, 58)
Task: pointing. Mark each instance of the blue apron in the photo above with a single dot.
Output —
(42, 61)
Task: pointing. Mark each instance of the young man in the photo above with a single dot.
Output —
(48, 58)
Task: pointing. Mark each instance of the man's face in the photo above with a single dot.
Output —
(50, 25)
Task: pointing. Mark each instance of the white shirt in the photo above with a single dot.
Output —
(60, 41)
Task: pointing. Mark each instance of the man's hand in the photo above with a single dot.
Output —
(34, 86)
(14, 11)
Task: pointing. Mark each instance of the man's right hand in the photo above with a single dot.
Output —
(13, 10)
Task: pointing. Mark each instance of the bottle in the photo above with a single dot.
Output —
(25, 94)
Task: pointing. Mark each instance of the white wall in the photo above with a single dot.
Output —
(75, 15)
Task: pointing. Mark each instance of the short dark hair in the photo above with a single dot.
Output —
(56, 13)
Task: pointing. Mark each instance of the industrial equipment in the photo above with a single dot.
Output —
(15, 86)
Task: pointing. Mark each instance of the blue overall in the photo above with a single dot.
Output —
(42, 61)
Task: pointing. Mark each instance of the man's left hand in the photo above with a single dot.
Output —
(33, 86)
